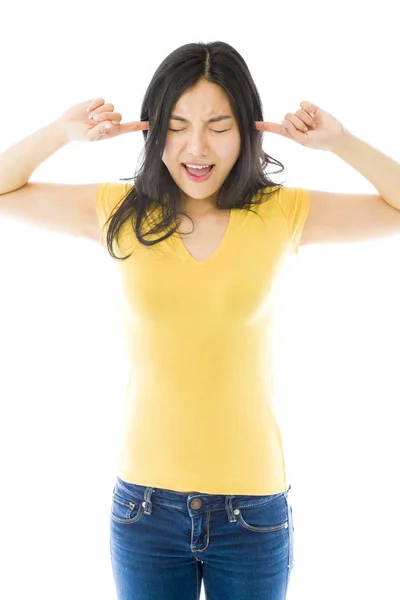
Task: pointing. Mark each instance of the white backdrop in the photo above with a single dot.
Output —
(62, 366)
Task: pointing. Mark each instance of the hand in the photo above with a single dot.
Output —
(310, 126)
(81, 126)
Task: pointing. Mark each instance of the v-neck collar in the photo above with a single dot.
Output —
(184, 252)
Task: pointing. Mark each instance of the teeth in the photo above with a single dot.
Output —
(197, 167)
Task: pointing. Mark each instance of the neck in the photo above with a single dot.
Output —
(196, 207)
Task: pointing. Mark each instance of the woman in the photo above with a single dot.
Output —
(201, 491)
(203, 233)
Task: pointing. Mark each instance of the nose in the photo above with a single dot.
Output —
(197, 143)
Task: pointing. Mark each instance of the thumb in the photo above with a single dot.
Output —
(101, 130)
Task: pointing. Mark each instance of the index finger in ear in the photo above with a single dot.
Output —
(270, 127)
(134, 126)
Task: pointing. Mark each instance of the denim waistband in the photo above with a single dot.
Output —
(183, 499)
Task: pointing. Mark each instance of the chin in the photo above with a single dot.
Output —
(198, 195)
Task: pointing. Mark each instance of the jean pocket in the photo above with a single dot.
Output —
(125, 508)
(266, 517)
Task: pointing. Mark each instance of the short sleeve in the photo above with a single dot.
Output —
(108, 195)
(295, 205)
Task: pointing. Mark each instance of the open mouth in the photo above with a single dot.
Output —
(198, 175)
(198, 171)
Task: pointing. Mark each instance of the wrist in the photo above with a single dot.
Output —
(59, 129)
(342, 145)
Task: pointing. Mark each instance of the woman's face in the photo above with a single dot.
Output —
(196, 140)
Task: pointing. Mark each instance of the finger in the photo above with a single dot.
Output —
(309, 107)
(270, 127)
(100, 110)
(296, 122)
(293, 132)
(95, 103)
(114, 117)
(129, 127)
(304, 116)
(101, 131)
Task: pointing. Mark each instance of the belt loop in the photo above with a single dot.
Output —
(229, 509)
(147, 504)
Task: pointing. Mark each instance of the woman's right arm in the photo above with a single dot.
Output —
(64, 208)
(67, 208)
(20, 160)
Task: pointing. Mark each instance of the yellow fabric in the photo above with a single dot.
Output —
(199, 410)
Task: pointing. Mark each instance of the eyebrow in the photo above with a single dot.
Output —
(213, 120)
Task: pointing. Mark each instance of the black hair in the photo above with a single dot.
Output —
(154, 188)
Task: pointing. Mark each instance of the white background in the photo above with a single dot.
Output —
(62, 365)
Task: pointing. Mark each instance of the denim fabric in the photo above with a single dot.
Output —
(163, 544)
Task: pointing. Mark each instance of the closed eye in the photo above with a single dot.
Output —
(176, 130)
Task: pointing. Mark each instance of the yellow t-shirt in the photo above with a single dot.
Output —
(199, 411)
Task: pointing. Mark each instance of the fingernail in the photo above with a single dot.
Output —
(108, 125)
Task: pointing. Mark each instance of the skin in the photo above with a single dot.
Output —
(197, 141)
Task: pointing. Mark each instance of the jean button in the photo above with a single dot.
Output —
(196, 503)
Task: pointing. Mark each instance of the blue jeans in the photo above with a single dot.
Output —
(163, 544)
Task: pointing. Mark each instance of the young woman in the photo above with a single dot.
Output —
(199, 239)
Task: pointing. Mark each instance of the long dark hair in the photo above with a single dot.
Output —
(154, 188)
